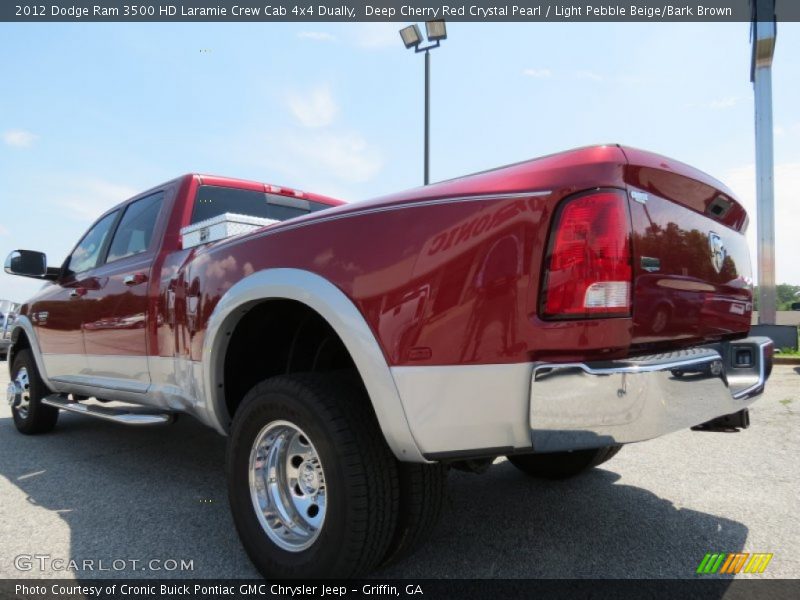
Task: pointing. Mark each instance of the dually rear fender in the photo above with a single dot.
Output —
(345, 319)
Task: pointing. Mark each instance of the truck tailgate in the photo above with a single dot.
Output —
(691, 263)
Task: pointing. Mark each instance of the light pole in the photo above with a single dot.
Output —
(412, 38)
(763, 35)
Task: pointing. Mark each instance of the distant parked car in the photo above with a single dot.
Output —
(795, 305)
(8, 312)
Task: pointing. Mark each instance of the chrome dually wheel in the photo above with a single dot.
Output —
(25, 394)
(19, 393)
(287, 486)
(312, 484)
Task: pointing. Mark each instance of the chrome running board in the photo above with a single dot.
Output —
(124, 415)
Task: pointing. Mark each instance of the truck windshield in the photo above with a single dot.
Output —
(213, 200)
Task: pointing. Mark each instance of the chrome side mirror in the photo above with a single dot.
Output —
(27, 263)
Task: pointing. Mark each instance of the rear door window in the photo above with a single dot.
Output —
(135, 230)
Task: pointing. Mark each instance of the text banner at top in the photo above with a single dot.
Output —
(388, 10)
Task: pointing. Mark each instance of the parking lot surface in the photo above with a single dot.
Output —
(98, 491)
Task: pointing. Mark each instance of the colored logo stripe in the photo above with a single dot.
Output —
(733, 562)
(758, 563)
(710, 563)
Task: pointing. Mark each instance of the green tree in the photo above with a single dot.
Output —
(786, 293)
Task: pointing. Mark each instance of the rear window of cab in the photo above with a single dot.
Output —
(212, 201)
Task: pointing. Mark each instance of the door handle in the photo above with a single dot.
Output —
(134, 279)
(77, 292)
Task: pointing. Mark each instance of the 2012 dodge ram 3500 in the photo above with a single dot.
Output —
(549, 311)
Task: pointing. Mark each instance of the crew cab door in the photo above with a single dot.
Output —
(59, 314)
(116, 321)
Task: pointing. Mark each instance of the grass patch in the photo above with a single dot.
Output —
(788, 352)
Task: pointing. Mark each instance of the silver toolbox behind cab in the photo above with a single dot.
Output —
(221, 227)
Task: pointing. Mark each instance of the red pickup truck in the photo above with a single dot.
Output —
(549, 311)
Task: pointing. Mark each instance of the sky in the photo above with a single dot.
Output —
(91, 113)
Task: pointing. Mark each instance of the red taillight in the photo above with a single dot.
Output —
(588, 268)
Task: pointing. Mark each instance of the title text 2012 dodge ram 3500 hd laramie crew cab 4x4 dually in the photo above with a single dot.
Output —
(549, 311)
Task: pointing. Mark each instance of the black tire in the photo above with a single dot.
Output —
(360, 474)
(561, 465)
(37, 417)
(422, 494)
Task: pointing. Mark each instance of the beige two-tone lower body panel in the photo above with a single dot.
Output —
(485, 410)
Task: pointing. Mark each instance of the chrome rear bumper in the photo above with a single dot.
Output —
(589, 405)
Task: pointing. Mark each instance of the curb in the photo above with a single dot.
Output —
(786, 360)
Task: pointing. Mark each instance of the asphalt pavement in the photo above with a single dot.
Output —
(122, 497)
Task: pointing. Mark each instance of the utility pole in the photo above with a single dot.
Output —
(763, 34)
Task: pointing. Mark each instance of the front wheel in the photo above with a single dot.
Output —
(312, 484)
(25, 393)
(560, 465)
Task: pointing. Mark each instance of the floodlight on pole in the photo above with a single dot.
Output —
(436, 31)
(411, 36)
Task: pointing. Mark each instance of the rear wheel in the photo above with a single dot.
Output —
(561, 465)
(312, 484)
(422, 493)
(25, 393)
